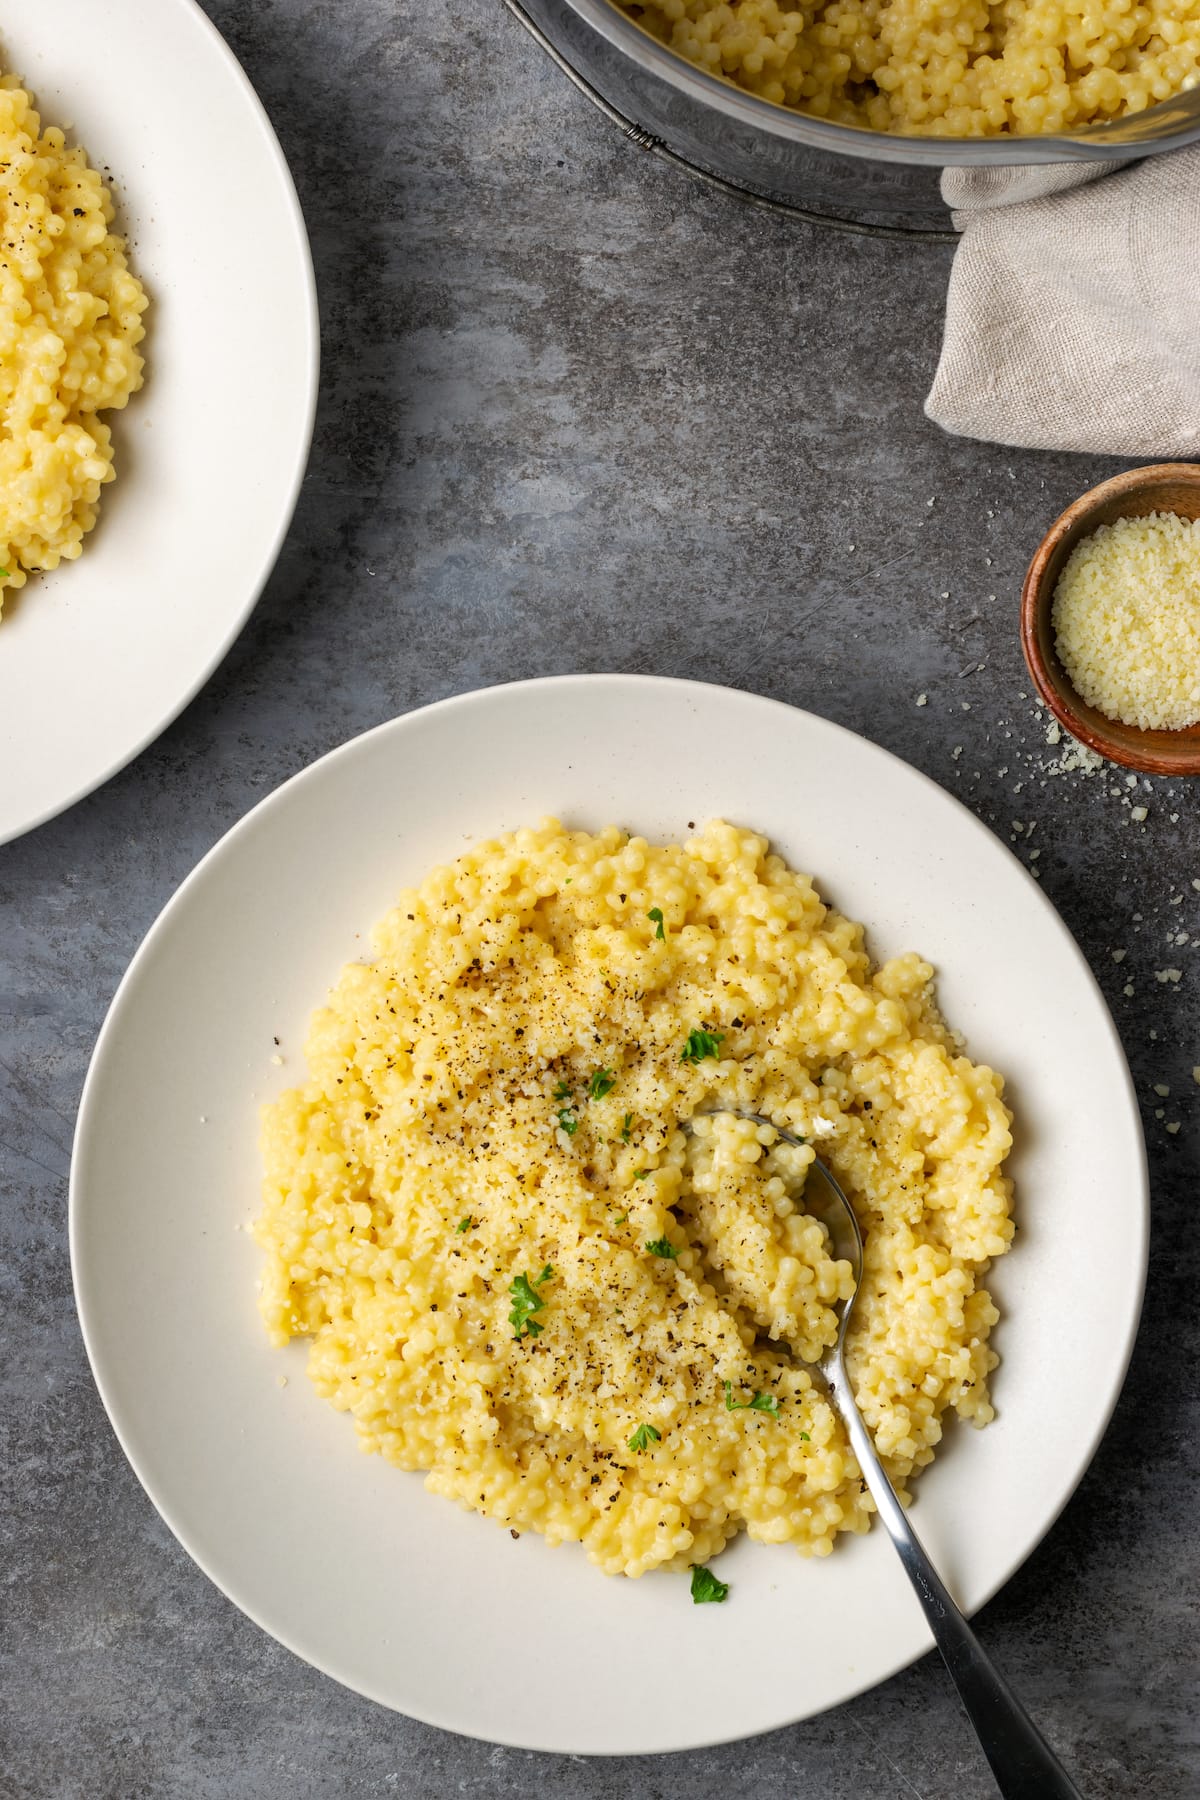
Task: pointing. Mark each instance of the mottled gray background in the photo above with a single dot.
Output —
(579, 413)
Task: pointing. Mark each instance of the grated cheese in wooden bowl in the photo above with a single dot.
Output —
(1126, 617)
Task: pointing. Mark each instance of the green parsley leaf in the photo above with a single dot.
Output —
(627, 1122)
(640, 1174)
(705, 1586)
(662, 1247)
(656, 913)
(804, 1438)
(701, 1044)
(569, 1124)
(761, 1403)
(621, 1220)
(526, 1302)
(602, 1082)
(464, 1225)
(643, 1437)
(563, 1091)
(3, 574)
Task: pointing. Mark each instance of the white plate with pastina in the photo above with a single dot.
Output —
(351, 1562)
(98, 655)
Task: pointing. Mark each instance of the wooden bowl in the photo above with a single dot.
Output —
(1162, 487)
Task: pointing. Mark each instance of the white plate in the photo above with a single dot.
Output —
(99, 656)
(350, 1562)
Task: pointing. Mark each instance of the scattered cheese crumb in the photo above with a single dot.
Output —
(1168, 974)
(1196, 1074)
(1173, 1126)
(1077, 757)
(1139, 813)
(1162, 1090)
(277, 1060)
(1119, 955)
(922, 699)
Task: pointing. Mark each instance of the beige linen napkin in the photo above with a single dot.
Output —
(1073, 316)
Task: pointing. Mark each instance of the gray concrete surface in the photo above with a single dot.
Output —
(579, 413)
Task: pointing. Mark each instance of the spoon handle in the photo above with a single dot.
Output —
(1022, 1761)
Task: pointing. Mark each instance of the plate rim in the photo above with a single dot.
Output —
(312, 376)
(1137, 1257)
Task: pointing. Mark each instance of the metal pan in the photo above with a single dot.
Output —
(839, 174)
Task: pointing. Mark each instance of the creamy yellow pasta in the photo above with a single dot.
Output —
(70, 324)
(942, 68)
(521, 1275)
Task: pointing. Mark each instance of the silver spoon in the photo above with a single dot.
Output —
(1022, 1761)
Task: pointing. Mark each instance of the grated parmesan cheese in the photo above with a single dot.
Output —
(1126, 616)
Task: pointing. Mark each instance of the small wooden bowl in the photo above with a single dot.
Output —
(1162, 487)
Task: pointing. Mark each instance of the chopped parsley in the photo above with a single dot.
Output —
(563, 1091)
(705, 1586)
(625, 1124)
(621, 1220)
(526, 1302)
(463, 1225)
(804, 1438)
(656, 913)
(569, 1122)
(701, 1044)
(640, 1174)
(602, 1082)
(662, 1247)
(761, 1403)
(643, 1437)
(3, 574)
